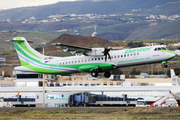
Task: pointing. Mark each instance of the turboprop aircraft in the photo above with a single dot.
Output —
(90, 60)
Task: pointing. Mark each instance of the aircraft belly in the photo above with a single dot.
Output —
(91, 67)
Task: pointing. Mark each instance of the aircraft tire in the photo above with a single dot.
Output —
(165, 66)
(107, 74)
(94, 74)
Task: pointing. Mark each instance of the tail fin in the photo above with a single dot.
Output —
(174, 78)
(25, 51)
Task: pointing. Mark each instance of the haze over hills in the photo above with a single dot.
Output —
(83, 7)
(114, 20)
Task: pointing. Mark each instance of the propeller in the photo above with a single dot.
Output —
(106, 52)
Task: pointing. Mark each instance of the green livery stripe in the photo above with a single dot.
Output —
(167, 51)
(41, 70)
(23, 45)
(17, 38)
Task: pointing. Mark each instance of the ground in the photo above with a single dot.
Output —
(102, 113)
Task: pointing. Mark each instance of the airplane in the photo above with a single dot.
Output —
(175, 91)
(90, 60)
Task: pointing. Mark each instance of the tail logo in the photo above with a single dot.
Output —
(174, 80)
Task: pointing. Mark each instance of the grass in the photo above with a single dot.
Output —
(93, 113)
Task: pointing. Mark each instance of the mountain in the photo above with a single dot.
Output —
(82, 7)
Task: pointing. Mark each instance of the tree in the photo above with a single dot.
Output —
(136, 44)
(135, 72)
(117, 72)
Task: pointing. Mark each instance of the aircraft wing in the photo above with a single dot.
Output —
(71, 48)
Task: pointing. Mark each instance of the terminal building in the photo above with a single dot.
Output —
(83, 91)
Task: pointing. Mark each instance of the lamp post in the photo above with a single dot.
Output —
(43, 45)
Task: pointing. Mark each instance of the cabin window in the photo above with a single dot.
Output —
(82, 61)
(124, 55)
(66, 62)
(134, 53)
(163, 48)
(114, 56)
(137, 53)
(79, 61)
(69, 62)
(95, 58)
(118, 56)
(111, 57)
(72, 61)
(59, 63)
(102, 58)
(63, 63)
(128, 55)
(92, 59)
(85, 60)
(75, 61)
(121, 55)
(99, 58)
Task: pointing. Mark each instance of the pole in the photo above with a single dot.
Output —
(43, 93)
(43, 50)
(43, 86)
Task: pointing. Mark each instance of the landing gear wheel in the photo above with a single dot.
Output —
(107, 74)
(94, 74)
(165, 66)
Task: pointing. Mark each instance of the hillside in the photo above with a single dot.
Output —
(77, 40)
(36, 37)
(82, 7)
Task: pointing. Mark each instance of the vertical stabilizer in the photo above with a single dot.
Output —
(25, 52)
(174, 78)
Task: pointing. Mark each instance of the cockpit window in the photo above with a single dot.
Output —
(155, 49)
(159, 48)
(163, 48)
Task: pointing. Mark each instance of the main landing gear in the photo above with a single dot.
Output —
(106, 74)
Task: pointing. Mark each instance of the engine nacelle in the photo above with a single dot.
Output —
(95, 52)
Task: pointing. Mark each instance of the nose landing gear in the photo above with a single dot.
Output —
(165, 66)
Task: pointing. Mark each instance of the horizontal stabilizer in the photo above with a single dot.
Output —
(18, 41)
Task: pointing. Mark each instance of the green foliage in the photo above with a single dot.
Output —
(177, 71)
(134, 72)
(135, 44)
(117, 72)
